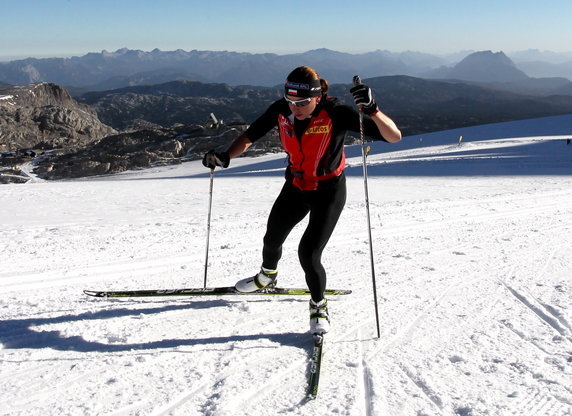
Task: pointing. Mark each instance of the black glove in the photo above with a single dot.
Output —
(364, 97)
(212, 159)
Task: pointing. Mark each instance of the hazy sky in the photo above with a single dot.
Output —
(74, 27)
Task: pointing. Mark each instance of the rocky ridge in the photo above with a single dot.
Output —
(145, 148)
(36, 118)
(45, 116)
(45, 131)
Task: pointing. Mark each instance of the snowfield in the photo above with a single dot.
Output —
(472, 247)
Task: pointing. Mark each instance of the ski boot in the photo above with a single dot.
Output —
(319, 317)
(265, 278)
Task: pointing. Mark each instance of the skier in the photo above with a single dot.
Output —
(312, 127)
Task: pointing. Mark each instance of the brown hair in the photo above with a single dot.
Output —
(306, 74)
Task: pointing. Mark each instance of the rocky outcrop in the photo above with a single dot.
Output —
(45, 116)
(42, 126)
(145, 148)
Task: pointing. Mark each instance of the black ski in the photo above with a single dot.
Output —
(214, 291)
(315, 366)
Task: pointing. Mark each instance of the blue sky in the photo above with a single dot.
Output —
(74, 27)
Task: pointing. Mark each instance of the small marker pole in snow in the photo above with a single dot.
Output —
(356, 82)
(209, 226)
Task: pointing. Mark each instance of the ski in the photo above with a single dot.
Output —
(315, 366)
(214, 291)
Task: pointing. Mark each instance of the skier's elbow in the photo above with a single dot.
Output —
(393, 136)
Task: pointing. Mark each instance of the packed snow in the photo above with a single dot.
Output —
(471, 245)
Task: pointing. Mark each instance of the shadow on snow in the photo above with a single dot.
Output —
(21, 333)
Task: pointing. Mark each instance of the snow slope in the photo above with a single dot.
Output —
(472, 257)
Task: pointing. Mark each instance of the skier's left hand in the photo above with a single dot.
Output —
(363, 97)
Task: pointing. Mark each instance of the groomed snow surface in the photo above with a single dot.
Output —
(472, 248)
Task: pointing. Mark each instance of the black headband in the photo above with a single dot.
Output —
(303, 90)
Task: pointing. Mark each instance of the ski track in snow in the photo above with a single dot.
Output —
(473, 280)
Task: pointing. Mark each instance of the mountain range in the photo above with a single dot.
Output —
(133, 109)
(125, 67)
(107, 70)
(418, 105)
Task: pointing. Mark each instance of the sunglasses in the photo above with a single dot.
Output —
(298, 103)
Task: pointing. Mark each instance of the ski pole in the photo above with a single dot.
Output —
(209, 226)
(356, 82)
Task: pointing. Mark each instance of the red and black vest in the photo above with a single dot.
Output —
(308, 154)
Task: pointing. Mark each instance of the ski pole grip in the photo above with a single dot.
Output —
(357, 81)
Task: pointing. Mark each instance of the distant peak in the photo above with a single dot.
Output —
(488, 53)
(489, 56)
(487, 66)
(321, 50)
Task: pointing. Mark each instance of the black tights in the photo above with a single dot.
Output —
(291, 206)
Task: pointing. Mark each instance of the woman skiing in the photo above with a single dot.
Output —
(312, 128)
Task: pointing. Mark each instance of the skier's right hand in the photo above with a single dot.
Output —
(212, 159)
